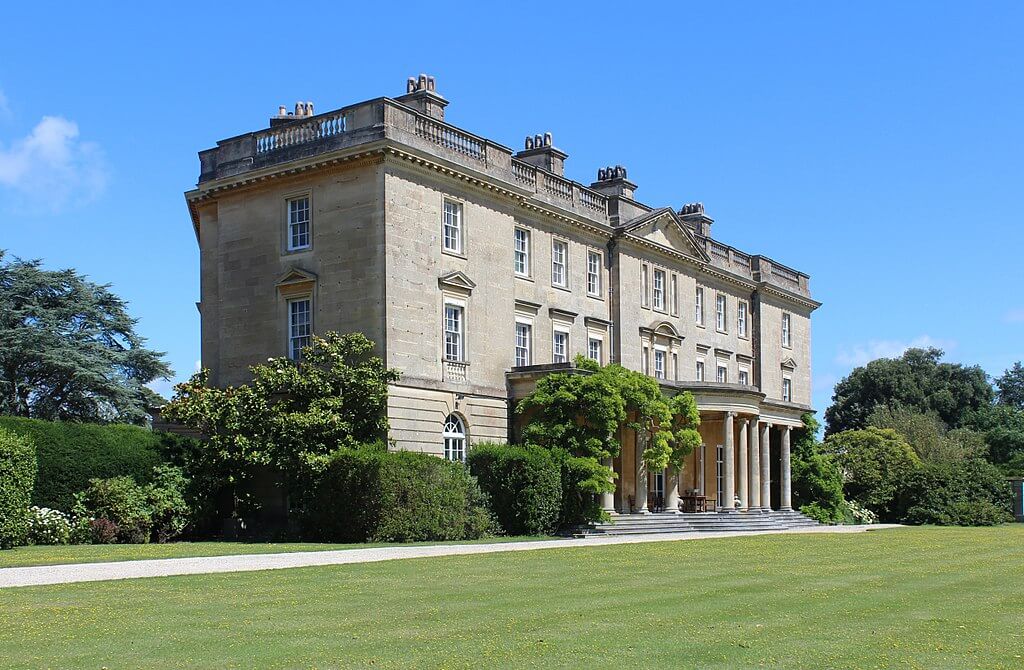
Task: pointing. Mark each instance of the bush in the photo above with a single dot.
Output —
(119, 501)
(523, 485)
(370, 494)
(875, 462)
(580, 501)
(48, 526)
(70, 454)
(968, 493)
(17, 477)
(818, 487)
(169, 512)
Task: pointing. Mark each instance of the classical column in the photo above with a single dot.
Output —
(754, 465)
(671, 489)
(641, 478)
(741, 467)
(608, 498)
(766, 468)
(786, 496)
(729, 476)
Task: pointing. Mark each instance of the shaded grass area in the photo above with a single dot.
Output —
(907, 598)
(103, 553)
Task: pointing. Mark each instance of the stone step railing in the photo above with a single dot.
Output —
(312, 129)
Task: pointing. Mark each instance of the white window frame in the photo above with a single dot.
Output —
(299, 334)
(521, 257)
(721, 311)
(787, 330)
(595, 260)
(454, 341)
(454, 435)
(523, 354)
(658, 290)
(700, 370)
(453, 219)
(599, 355)
(659, 357)
(699, 306)
(787, 389)
(722, 374)
(644, 293)
(559, 266)
(555, 333)
(293, 224)
(742, 313)
(743, 377)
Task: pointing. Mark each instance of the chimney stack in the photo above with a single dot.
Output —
(693, 215)
(421, 95)
(612, 181)
(302, 110)
(540, 151)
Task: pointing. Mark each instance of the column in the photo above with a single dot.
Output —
(729, 476)
(754, 465)
(640, 501)
(741, 467)
(766, 468)
(786, 501)
(608, 498)
(671, 489)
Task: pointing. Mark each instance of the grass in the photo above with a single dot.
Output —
(906, 598)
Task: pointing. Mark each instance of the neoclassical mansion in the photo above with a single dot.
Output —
(478, 269)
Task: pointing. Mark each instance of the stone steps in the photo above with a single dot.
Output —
(705, 522)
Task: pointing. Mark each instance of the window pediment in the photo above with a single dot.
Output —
(457, 281)
(789, 364)
(296, 281)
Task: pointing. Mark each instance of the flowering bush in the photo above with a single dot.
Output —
(861, 515)
(48, 526)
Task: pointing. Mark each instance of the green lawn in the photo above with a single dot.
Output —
(905, 598)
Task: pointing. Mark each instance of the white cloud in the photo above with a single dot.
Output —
(51, 167)
(1015, 315)
(199, 365)
(859, 354)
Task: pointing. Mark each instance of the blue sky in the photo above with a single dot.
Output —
(876, 146)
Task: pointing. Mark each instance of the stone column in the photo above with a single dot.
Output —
(766, 468)
(741, 467)
(729, 476)
(671, 489)
(754, 465)
(608, 498)
(641, 478)
(786, 494)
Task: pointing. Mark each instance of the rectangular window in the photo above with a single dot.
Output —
(723, 374)
(659, 364)
(643, 285)
(593, 273)
(675, 295)
(298, 223)
(741, 318)
(700, 371)
(523, 344)
(720, 312)
(453, 226)
(645, 363)
(787, 389)
(453, 325)
(786, 334)
(560, 347)
(594, 349)
(300, 327)
(699, 302)
(559, 260)
(659, 290)
(522, 252)
(675, 367)
(744, 378)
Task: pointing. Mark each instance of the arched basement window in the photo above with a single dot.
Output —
(454, 439)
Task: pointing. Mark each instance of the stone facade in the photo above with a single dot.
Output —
(379, 179)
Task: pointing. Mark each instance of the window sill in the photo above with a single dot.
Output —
(524, 277)
(294, 252)
(596, 296)
(562, 288)
(455, 254)
(700, 325)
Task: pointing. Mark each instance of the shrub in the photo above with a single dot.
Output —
(875, 462)
(17, 477)
(48, 526)
(523, 485)
(120, 501)
(580, 501)
(169, 512)
(70, 454)
(370, 494)
(968, 493)
(818, 487)
(103, 531)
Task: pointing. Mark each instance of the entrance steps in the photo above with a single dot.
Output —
(701, 522)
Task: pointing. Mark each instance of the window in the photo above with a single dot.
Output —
(645, 364)
(643, 285)
(453, 346)
(594, 346)
(522, 252)
(559, 259)
(659, 364)
(452, 226)
(298, 223)
(700, 371)
(523, 344)
(741, 319)
(722, 376)
(454, 435)
(699, 302)
(787, 389)
(593, 273)
(300, 328)
(659, 290)
(744, 378)
(560, 347)
(675, 367)
(720, 312)
(675, 295)
(786, 334)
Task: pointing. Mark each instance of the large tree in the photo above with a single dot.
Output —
(69, 350)
(1011, 387)
(917, 380)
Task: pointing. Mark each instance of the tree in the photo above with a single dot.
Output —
(1002, 427)
(69, 350)
(917, 380)
(1011, 387)
(875, 462)
(931, 440)
(817, 480)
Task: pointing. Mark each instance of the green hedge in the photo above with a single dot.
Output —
(70, 454)
(370, 494)
(963, 493)
(17, 476)
(523, 485)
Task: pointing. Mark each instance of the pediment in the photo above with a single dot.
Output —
(664, 228)
(457, 280)
(789, 364)
(295, 276)
(663, 329)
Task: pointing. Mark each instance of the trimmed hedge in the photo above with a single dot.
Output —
(523, 485)
(370, 494)
(70, 454)
(17, 477)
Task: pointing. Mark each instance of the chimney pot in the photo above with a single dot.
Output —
(282, 111)
(547, 139)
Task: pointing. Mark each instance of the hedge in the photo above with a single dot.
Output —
(964, 493)
(523, 485)
(70, 454)
(17, 477)
(371, 494)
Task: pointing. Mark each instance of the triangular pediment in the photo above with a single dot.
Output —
(663, 228)
(789, 364)
(295, 276)
(457, 280)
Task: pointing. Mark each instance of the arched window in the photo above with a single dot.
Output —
(454, 438)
